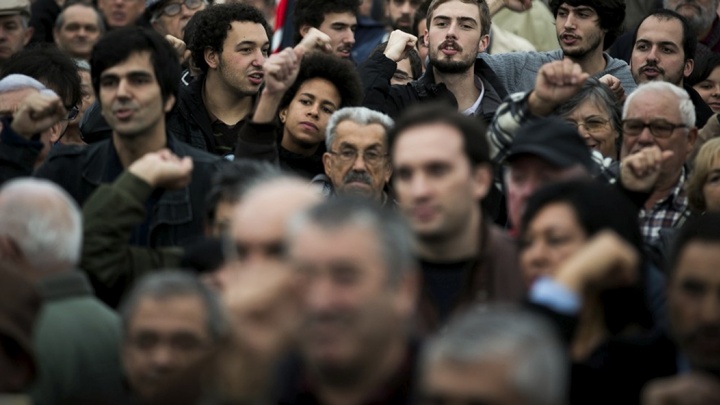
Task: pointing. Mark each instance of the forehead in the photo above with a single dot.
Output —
(246, 31)
(351, 133)
(425, 143)
(343, 18)
(181, 311)
(79, 12)
(698, 260)
(654, 104)
(457, 8)
(136, 62)
(351, 242)
(589, 107)
(10, 18)
(654, 29)
(320, 88)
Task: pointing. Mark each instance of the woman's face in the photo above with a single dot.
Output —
(709, 89)
(711, 188)
(307, 115)
(552, 236)
(595, 126)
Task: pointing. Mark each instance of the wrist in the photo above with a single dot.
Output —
(538, 106)
(495, 5)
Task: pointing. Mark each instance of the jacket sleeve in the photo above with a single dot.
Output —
(110, 215)
(376, 73)
(258, 142)
(510, 116)
(17, 154)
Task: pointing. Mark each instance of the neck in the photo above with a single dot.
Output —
(460, 246)
(294, 147)
(592, 63)
(225, 104)
(462, 86)
(662, 190)
(373, 377)
(132, 149)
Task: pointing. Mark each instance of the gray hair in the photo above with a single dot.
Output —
(359, 115)
(176, 283)
(685, 105)
(15, 82)
(395, 240)
(60, 20)
(539, 370)
(599, 94)
(43, 220)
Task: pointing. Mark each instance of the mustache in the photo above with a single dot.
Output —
(362, 177)
(653, 65)
(449, 42)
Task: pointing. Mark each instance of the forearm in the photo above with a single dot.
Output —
(510, 116)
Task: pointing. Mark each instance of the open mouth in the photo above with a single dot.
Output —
(256, 78)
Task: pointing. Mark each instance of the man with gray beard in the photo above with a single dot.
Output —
(702, 17)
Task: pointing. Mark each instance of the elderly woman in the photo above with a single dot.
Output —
(703, 187)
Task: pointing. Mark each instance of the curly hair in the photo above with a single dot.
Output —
(341, 73)
(212, 25)
(611, 14)
(312, 12)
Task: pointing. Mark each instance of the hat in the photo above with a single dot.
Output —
(19, 307)
(12, 7)
(553, 140)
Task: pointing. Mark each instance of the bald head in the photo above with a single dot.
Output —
(259, 222)
(40, 225)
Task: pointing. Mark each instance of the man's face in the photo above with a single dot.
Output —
(454, 37)
(436, 186)
(340, 27)
(164, 338)
(487, 382)
(527, 174)
(403, 73)
(79, 32)
(121, 13)
(174, 25)
(401, 12)
(578, 30)
(244, 51)
(13, 37)
(659, 106)
(694, 304)
(357, 160)
(699, 13)
(131, 99)
(87, 99)
(351, 309)
(658, 52)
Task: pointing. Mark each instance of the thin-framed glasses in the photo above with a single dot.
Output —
(174, 9)
(592, 125)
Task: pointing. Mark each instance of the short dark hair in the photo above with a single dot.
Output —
(118, 45)
(471, 129)
(60, 20)
(312, 12)
(340, 72)
(704, 66)
(705, 228)
(485, 20)
(412, 54)
(211, 27)
(611, 14)
(51, 67)
(689, 39)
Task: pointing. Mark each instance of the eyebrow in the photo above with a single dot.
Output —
(323, 101)
(253, 43)
(661, 43)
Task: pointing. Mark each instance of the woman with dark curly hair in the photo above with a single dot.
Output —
(291, 117)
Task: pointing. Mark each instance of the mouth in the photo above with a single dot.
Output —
(715, 106)
(118, 16)
(309, 126)
(450, 48)
(569, 39)
(256, 78)
(343, 52)
(423, 213)
(651, 71)
(123, 113)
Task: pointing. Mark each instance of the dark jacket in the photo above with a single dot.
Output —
(177, 215)
(377, 71)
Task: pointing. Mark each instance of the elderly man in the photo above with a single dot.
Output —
(120, 14)
(169, 17)
(14, 30)
(77, 29)
(76, 336)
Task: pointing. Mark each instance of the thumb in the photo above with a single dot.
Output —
(666, 155)
(299, 52)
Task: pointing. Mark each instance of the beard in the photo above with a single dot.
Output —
(452, 66)
(594, 41)
(700, 21)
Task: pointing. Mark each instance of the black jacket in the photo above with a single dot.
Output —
(377, 71)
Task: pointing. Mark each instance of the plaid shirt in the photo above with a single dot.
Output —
(670, 212)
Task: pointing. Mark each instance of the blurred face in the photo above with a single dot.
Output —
(594, 125)
(174, 16)
(13, 37)
(72, 134)
(121, 13)
(239, 65)
(164, 338)
(351, 311)
(550, 238)
(487, 382)
(131, 99)
(357, 160)
(307, 115)
(403, 73)
(340, 27)
(658, 52)
(578, 31)
(454, 37)
(694, 304)
(699, 13)
(422, 47)
(659, 107)
(437, 188)
(711, 189)
(79, 32)
(526, 174)
(400, 13)
(709, 89)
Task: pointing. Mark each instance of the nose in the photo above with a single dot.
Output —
(259, 58)
(123, 90)
(646, 138)
(570, 21)
(407, 8)
(653, 54)
(583, 131)
(349, 37)
(162, 358)
(314, 110)
(452, 29)
(419, 186)
(359, 164)
(319, 293)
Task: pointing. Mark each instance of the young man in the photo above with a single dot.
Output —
(337, 19)
(212, 108)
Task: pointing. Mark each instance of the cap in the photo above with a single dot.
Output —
(553, 140)
(12, 7)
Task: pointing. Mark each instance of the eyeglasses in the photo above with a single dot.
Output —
(658, 128)
(592, 125)
(371, 157)
(72, 113)
(174, 9)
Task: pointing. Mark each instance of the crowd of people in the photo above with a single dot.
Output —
(360, 202)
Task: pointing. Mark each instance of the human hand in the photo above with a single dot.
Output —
(641, 170)
(556, 83)
(686, 389)
(399, 43)
(163, 169)
(37, 113)
(615, 86)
